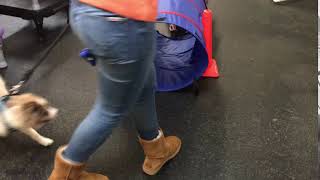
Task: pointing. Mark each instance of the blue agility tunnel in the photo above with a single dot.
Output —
(181, 60)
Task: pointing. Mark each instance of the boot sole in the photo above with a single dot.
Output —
(158, 169)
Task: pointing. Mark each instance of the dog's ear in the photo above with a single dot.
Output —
(34, 107)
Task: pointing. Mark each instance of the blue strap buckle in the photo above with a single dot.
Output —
(88, 56)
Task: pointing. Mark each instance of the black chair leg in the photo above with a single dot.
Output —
(39, 25)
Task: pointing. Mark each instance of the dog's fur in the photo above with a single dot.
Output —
(26, 113)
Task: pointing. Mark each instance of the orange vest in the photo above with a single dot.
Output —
(143, 10)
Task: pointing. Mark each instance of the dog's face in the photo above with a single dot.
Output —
(28, 110)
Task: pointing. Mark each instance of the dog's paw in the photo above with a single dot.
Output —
(3, 134)
(3, 131)
(46, 142)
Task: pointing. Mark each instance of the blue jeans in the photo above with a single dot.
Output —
(124, 50)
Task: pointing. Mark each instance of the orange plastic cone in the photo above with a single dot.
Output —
(212, 69)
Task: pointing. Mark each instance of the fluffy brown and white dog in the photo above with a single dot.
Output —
(25, 113)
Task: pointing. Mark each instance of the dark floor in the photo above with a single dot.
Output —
(257, 122)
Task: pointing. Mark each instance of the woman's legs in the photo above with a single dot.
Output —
(125, 52)
(146, 120)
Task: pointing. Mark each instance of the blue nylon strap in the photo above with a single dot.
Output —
(3, 102)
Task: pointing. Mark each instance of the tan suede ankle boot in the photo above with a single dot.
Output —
(158, 151)
(65, 170)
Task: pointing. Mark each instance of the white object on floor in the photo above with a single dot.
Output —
(3, 62)
(35, 5)
(278, 1)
